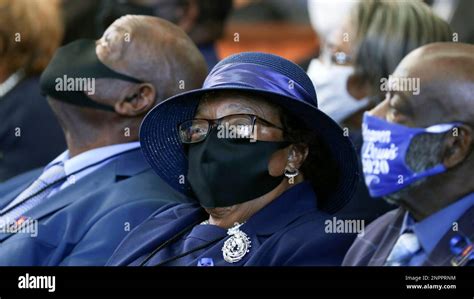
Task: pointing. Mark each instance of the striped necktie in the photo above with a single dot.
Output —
(404, 249)
(33, 195)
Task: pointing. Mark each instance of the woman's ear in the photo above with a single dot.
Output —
(139, 102)
(457, 146)
(289, 158)
(297, 154)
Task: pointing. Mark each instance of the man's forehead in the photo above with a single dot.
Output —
(444, 73)
(413, 66)
(421, 89)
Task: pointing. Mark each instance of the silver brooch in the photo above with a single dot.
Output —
(237, 246)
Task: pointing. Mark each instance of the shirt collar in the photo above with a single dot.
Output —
(90, 157)
(430, 231)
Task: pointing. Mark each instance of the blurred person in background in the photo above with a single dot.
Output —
(87, 199)
(325, 17)
(328, 16)
(30, 135)
(79, 18)
(459, 15)
(202, 20)
(371, 40)
(258, 11)
(280, 27)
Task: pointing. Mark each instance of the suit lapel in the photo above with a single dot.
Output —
(28, 180)
(388, 240)
(441, 254)
(65, 197)
(101, 178)
(88, 184)
(104, 176)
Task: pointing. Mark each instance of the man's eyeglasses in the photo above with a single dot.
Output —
(234, 126)
(341, 58)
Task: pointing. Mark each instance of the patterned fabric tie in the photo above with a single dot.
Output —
(404, 249)
(28, 199)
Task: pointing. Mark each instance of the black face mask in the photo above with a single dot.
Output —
(224, 172)
(73, 65)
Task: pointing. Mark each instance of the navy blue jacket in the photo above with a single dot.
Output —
(290, 231)
(83, 223)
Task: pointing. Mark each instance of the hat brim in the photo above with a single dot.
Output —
(164, 151)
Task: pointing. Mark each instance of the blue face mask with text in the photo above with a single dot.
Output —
(384, 154)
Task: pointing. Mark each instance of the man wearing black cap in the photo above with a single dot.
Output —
(80, 206)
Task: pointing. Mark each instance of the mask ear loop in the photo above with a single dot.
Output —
(290, 171)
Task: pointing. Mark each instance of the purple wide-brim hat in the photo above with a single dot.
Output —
(272, 77)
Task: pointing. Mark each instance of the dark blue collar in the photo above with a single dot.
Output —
(292, 204)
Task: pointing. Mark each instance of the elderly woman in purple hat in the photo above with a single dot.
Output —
(266, 168)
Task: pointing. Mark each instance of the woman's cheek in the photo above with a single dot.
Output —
(277, 163)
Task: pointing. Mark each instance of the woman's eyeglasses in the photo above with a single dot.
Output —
(232, 126)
